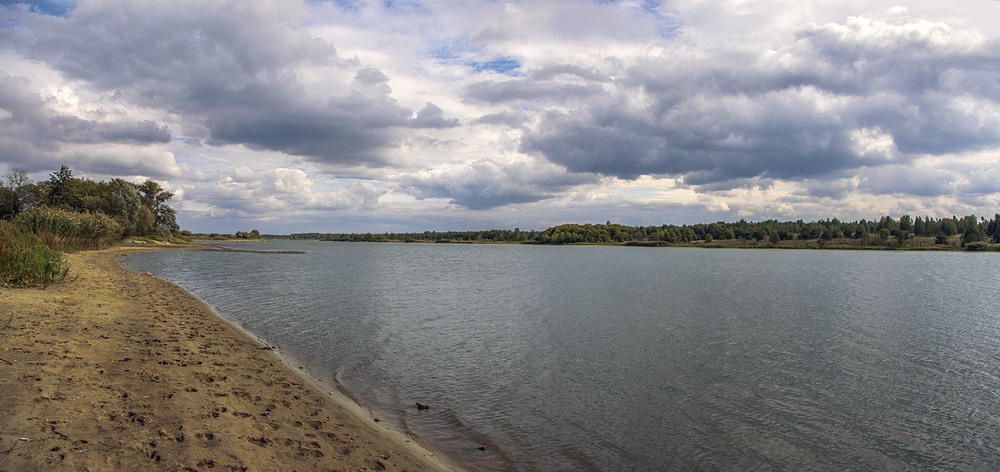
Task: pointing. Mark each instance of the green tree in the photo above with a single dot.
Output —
(906, 223)
(949, 227)
(889, 224)
(59, 186)
(902, 237)
(124, 205)
(155, 198)
(773, 237)
(993, 228)
(973, 233)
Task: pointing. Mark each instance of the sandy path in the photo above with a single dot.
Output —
(119, 371)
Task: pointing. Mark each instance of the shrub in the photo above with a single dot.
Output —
(977, 246)
(25, 259)
(63, 229)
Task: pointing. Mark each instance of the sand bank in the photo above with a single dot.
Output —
(112, 370)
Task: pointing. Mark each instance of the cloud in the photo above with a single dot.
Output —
(280, 191)
(573, 22)
(485, 184)
(33, 131)
(830, 97)
(514, 90)
(27, 115)
(908, 180)
(510, 119)
(236, 71)
(431, 116)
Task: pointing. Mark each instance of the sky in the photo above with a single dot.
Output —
(409, 115)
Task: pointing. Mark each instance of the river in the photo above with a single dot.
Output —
(613, 358)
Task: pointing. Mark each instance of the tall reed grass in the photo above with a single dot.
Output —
(25, 259)
(69, 230)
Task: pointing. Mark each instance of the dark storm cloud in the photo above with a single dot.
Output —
(145, 131)
(231, 69)
(704, 149)
(29, 121)
(803, 111)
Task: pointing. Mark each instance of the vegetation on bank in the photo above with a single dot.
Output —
(906, 232)
(69, 230)
(26, 260)
(65, 213)
(140, 209)
(239, 235)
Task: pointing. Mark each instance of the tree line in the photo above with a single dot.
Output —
(884, 232)
(493, 235)
(140, 209)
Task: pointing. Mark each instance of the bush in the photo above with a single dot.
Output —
(25, 259)
(63, 229)
(977, 246)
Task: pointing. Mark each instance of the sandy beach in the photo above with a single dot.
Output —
(112, 370)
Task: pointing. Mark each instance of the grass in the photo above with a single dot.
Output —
(26, 260)
(68, 230)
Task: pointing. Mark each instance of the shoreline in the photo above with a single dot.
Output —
(329, 388)
(115, 369)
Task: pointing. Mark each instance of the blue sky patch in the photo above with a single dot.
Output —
(47, 7)
(503, 65)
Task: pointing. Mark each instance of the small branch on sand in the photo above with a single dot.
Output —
(10, 320)
(5, 360)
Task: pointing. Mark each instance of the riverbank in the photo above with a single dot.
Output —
(112, 370)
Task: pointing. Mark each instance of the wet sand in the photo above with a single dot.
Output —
(112, 370)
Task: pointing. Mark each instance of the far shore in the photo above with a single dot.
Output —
(841, 244)
(113, 370)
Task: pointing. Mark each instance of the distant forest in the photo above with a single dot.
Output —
(970, 232)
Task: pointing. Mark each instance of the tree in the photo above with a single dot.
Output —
(949, 227)
(993, 228)
(18, 194)
(773, 237)
(889, 224)
(905, 223)
(155, 198)
(59, 186)
(902, 236)
(125, 205)
(973, 233)
(919, 227)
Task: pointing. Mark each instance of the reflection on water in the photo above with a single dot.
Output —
(570, 358)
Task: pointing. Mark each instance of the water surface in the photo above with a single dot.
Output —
(611, 358)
